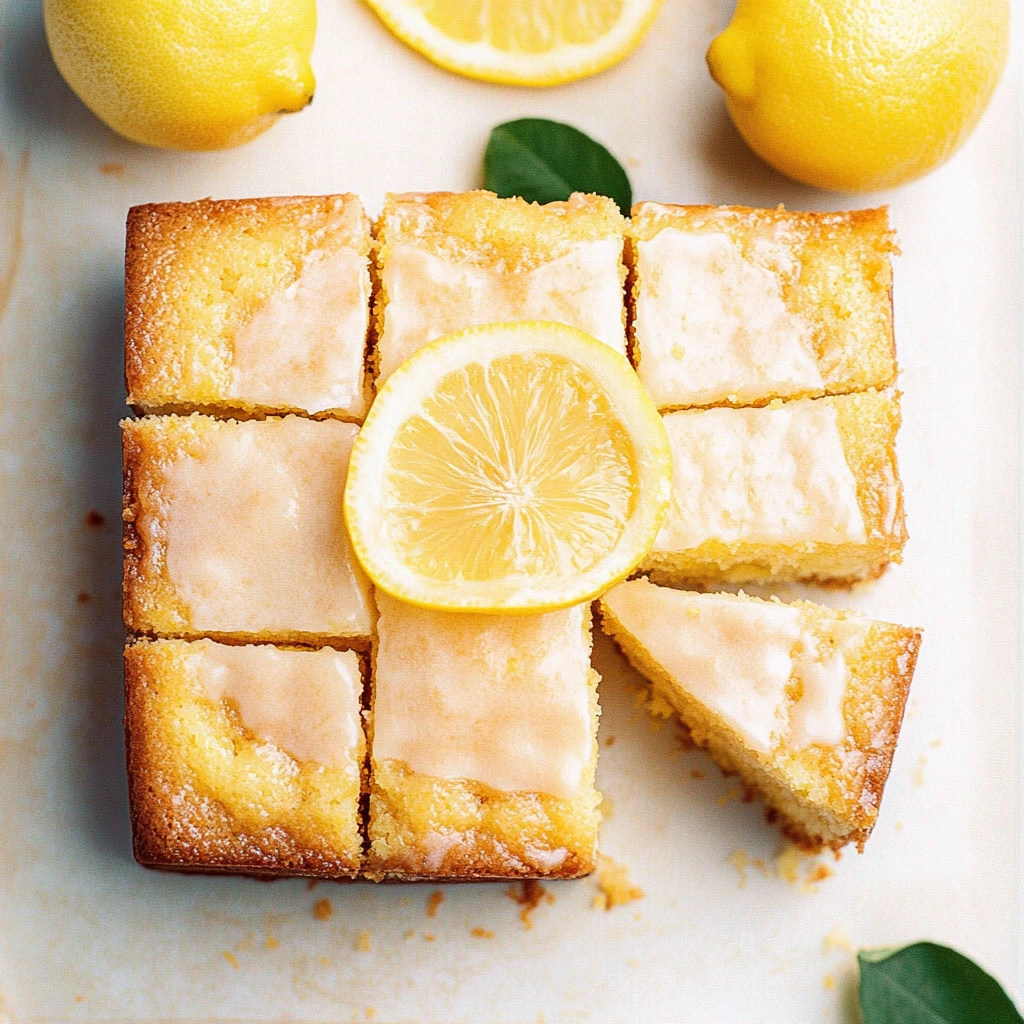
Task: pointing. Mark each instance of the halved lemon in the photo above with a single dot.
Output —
(508, 468)
(520, 42)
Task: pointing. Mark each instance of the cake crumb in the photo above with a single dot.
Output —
(696, 773)
(787, 864)
(837, 939)
(899, 826)
(312, 883)
(434, 900)
(322, 910)
(363, 942)
(482, 933)
(758, 862)
(79, 999)
(429, 936)
(830, 982)
(919, 770)
(733, 793)
(410, 934)
(370, 1013)
(528, 895)
(610, 742)
(738, 859)
(112, 170)
(230, 957)
(816, 873)
(936, 742)
(607, 807)
(271, 942)
(94, 518)
(613, 881)
(83, 597)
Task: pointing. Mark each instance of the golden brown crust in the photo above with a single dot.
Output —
(195, 272)
(175, 825)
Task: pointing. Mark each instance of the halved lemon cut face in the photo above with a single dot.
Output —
(520, 42)
(508, 468)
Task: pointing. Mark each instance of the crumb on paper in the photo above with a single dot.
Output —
(937, 742)
(739, 860)
(311, 883)
(79, 999)
(837, 940)
(528, 895)
(271, 942)
(482, 933)
(830, 982)
(322, 910)
(83, 597)
(434, 900)
(112, 170)
(370, 1013)
(610, 742)
(758, 862)
(816, 873)
(696, 773)
(363, 942)
(429, 936)
(733, 794)
(231, 958)
(787, 863)
(607, 807)
(899, 826)
(613, 881)
(919, 770)
(409, 934)
(632, 163)
(94, 518)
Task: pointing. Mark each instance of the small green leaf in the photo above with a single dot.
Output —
(544, 161)
(926, 983)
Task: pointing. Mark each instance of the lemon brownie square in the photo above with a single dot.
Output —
(448, 260)
(244, 759)
(248, 307)
(736, 306)
(483, 745)
(235, 530)
(807, 489)
(803, 702)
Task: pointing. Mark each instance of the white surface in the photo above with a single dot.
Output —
(85, 934)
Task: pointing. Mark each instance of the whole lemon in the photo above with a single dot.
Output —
(185, 74)
(857, 95)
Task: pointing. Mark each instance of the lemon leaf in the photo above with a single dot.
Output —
(544, 161)
(926, 983)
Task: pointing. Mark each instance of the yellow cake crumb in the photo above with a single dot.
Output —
(434, 900)
(739, 860)
(615, 885)
(837, 940)
(482, 933)
(231, 958)
(322, 910)
(363, 942)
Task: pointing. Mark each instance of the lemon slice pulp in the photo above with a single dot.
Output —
(512, 467)
(520, 42)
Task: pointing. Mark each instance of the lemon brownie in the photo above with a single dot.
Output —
(734, 306)
(483, 745)
(244, 759)
(248, 307)
(803, 702)
(807, 489)
(235, 529)
(449, 260)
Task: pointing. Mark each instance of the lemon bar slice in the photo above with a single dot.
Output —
(483, 745)
(449, 260)
(803, 702)
(244, 759)
(236, 530)
(734, 306)
(248, 307)
(808, 489)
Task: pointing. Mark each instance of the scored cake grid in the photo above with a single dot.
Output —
(502, 247)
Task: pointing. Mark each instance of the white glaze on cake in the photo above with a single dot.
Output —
(760, 476)
(304, 702)
(712, 326)
(744, 659)
(305, 347)
(429, 296)
(501, 700)
(253, 532)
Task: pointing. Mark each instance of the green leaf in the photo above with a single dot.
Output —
(544, 161)
(926, 983)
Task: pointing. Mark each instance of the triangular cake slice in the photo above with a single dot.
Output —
(803, 702)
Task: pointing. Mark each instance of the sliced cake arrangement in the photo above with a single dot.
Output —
(386, 673)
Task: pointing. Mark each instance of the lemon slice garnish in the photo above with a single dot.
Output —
(509, 467)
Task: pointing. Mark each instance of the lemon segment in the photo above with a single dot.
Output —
(520, 42)
(504, 468)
